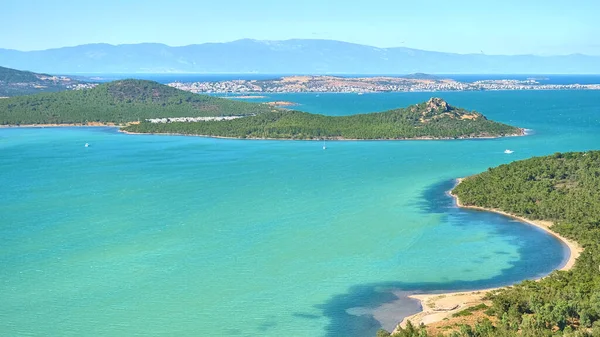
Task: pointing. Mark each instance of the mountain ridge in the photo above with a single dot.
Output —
(282, 41)
(302, 56)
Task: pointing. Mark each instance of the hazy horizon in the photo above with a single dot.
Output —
(510, 27)
(283, 40)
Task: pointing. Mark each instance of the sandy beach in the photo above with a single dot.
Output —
(437, 307)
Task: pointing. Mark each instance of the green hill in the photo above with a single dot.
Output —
(122, 102)
(562, 188)
(432, 119)
(8, 76)
(118, 102)
(17, 82)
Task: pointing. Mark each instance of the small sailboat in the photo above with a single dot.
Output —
(324, 146)
(507, 151)
(87, 145)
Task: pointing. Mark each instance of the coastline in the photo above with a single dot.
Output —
(521, 134)
(245, 96)
(91, 124)
(438, 307)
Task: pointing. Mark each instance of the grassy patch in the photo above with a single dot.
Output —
(469, 311)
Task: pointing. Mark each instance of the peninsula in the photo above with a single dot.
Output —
(406, 83)
(149, 107)
(17, 82)
(119, 102)
(434, 119)
(558, 193)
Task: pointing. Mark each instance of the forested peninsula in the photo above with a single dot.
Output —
(15, 82)
(564, 189)
(119, 102)
(137, 105)
(435, 119)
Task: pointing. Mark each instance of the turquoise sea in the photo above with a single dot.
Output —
(190, 236)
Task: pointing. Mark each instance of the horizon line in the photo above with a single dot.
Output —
(287, 40)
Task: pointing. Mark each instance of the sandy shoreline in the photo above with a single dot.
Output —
(437, 307)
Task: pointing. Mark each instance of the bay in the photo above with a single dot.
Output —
(188, 236)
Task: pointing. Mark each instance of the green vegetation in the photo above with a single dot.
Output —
(433, 119)
(8, 75)
(17, 82)
(118, 102)
(470, 310)
(565, 189)
(126, 101)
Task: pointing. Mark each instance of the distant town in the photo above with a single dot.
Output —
(411, 83)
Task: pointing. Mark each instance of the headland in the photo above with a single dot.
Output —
(149, 107)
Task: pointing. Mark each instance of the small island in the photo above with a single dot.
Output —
(281, 103)
(560, 194)
(434, 119)
(148, 107)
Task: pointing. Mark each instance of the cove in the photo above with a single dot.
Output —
(198, 236)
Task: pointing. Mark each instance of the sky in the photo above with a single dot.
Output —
(508, 27)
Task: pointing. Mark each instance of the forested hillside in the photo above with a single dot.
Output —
(432, 119)
(118, 102)
(565, 189)
(8, 75)
(126, 101)
(15, 82)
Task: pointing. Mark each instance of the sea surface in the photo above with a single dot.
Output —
(190, 236)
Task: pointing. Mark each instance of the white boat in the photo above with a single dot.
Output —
(87, 145)
(324, 146)
(360, 93)
(507, 151)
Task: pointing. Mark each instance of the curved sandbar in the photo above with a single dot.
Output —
(437, 307)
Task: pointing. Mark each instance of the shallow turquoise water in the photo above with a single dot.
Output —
(189, 236)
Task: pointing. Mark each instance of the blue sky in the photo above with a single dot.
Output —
(495, 27)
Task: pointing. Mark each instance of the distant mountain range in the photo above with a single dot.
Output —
(285, 57)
